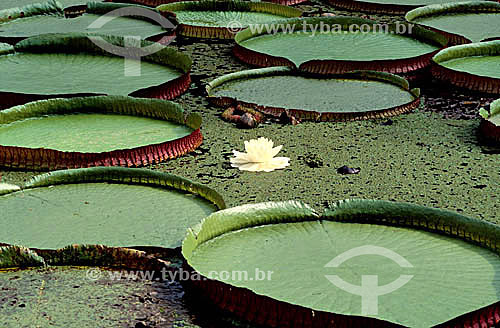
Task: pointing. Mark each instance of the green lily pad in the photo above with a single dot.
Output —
(72, 133)
(96, 74)
(66, 207)
(393, 7)
(379, 46)
(277, 90)
(474, 21)
(75, 64)
(83, 287)
(475, 66)
(84, 72)
(332, 45)
(52, 20)
(93, 131)
(279, 245)
(9, 4)
(222, 19)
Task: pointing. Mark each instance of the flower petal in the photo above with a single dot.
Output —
(253, 167)
(276, 150)
(279, 162)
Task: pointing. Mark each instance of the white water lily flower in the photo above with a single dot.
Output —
(259, 156)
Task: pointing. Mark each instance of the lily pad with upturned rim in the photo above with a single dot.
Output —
(76, 286)
(222, 19)
(462, 22)
(9, 4)
(149, 209)
(333, 52)
(71, 65)
(294, 243)
(34, 21)
(95, 131)
(274, 91)
(474, 66)
(490, 123)
(391, 7)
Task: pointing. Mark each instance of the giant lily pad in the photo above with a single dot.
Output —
(156, 3)
(349, 96)
(490, 124)
(461, 22)
(95, 131)
(394, 7)
(72, 64)
(280, 263)
(326, 46)
(222, 19)
(116, 207)
(50, 19)
(9, 4)
(76, 286)
(473, 66)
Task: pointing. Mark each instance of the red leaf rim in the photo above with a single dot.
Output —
(51, 159)
(408, 66)
(264, 310)
(466, 80)
(217, 32)
(79, 10)
(376, 8)
(206, 32)
(454, 39)
(412, 68)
